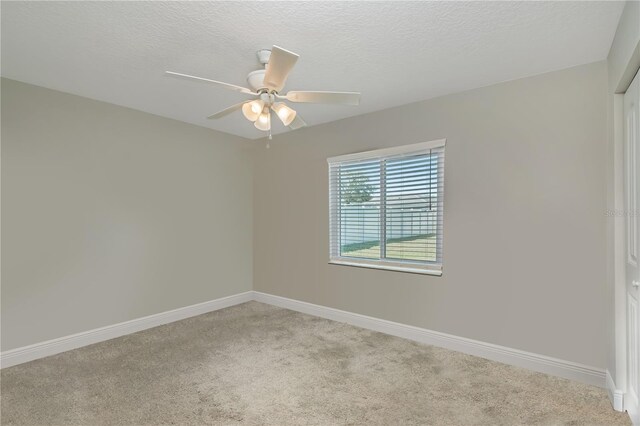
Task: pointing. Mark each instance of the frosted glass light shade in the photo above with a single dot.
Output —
(264, 121)
(285, 114)
(252, 109)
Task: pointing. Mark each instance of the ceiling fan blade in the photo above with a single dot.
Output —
(344, 98)
(227, 111)
(206, 80)
(297, 123)
(280, 64)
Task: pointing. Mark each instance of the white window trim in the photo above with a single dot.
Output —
(388, 265)
(388, 152)
(385, 264)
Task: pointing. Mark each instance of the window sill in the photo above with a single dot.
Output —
(387, 267)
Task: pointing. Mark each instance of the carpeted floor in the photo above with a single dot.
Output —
(257, 364)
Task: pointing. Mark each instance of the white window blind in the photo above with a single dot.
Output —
(386, 208)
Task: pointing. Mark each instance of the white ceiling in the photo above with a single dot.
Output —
(393, 52)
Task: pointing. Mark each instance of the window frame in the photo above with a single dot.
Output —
(335, 258)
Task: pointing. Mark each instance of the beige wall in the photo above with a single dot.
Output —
(524, 238)
(622, 63)
(110, 214)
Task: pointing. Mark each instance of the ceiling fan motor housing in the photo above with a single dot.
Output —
(255, 79)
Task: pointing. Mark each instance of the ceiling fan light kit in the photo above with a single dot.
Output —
(252, 109)
(264, 120)
(265, 86)
(285, 114)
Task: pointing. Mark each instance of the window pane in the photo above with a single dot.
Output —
(411, 200)
(386, 208)
(360, 210)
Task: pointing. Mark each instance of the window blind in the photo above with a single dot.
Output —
(386, 208)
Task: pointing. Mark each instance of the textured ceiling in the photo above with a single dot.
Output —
(393, 52)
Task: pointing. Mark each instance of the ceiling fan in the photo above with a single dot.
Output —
(266, 85)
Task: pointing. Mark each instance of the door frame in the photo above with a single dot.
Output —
(619, 232)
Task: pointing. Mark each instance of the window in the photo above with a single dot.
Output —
(386, 208)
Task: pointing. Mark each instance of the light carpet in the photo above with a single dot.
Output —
(261, 365)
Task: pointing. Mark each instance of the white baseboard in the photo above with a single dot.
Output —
(74, 341)
(531, 361)
(616, 396)
(541, 363)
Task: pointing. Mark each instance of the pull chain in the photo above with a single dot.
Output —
(271, 102)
